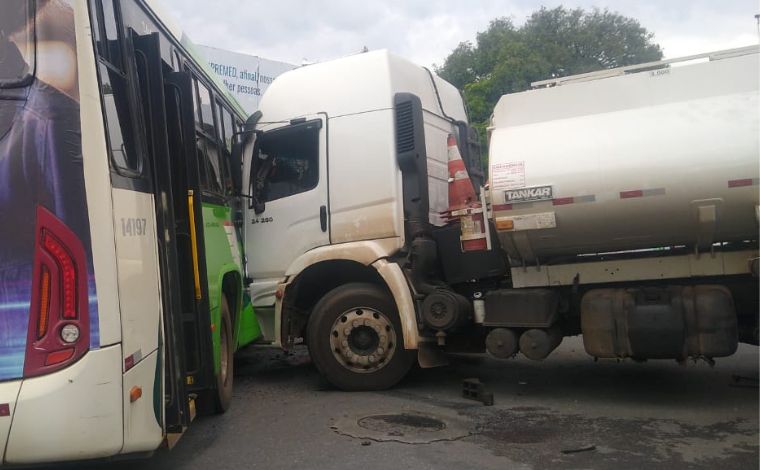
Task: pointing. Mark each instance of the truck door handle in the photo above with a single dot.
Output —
(323, 217)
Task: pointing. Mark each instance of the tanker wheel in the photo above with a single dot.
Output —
(223, 395)
(354, 337)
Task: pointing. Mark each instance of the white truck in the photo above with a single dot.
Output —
(620, 205)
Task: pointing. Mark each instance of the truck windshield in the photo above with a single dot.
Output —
(17, 41)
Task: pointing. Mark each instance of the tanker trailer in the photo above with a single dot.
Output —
(626, 202)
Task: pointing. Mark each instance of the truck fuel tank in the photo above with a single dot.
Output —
(674, 322)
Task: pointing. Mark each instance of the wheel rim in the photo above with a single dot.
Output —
(224, 356)
(363, 340)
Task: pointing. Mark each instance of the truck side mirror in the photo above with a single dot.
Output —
(260, 170)
(236, 167)
(245, 141)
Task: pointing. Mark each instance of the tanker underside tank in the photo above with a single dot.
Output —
(651, 322)
(525, 321)
(673, 322)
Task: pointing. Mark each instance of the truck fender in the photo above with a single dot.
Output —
(368, 253)
(396, 281)
(365, 252)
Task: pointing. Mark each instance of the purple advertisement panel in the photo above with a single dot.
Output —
(48, 307)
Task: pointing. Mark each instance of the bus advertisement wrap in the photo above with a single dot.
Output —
(41, 171)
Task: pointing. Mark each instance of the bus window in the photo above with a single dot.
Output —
(113, 48)
(135, 17)
(209, 164)
(220, 122)
(228, 132)
(199, 141)
(225, 137)
(215, 170)
(196, 106)
(200, 145)
(206, 115)
(176, 62)
(115, 94)
(115, 89)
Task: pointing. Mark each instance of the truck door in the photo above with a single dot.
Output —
(288, 210)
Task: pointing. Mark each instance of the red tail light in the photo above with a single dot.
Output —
(59, 328)
(67, 270)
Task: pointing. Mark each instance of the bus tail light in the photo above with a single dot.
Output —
(59, 328)
(44, 308)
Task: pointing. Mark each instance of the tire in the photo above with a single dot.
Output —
(223, 394)
(355, 338)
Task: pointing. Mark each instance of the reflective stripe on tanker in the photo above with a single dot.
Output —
(627, 194)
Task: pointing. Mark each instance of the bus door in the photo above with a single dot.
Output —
(196, 321)
(167, 109)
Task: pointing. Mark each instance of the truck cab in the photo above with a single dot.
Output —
(348, 162)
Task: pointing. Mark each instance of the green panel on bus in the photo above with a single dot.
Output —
(223, 258)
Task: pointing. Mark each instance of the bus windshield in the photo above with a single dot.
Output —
(16, 43)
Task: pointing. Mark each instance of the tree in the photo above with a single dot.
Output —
(552, 43)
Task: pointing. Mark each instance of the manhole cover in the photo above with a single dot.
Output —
(401, 423)
(409, 426)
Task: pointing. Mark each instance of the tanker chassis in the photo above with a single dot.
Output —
(620, 205)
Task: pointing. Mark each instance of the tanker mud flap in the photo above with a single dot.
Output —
(430, 355)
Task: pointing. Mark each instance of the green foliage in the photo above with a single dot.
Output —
(552, 43)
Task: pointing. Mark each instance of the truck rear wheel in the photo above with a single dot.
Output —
(355, 340)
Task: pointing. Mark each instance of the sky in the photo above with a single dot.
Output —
(426, 31)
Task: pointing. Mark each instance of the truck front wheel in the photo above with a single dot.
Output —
(354, 337)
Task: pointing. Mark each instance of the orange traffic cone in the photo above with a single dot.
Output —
(461, 192)
(463, 202)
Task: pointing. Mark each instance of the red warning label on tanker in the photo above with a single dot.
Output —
(508, 175)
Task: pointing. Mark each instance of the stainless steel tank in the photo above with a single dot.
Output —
(662, 157)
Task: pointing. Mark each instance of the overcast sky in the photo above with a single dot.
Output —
(427, 30)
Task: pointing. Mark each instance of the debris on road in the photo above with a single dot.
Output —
(743, 381)
(585, 448)
(474, 389)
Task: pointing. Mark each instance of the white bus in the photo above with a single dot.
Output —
(121, 285)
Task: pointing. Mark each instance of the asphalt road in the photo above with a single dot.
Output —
(565, 412)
